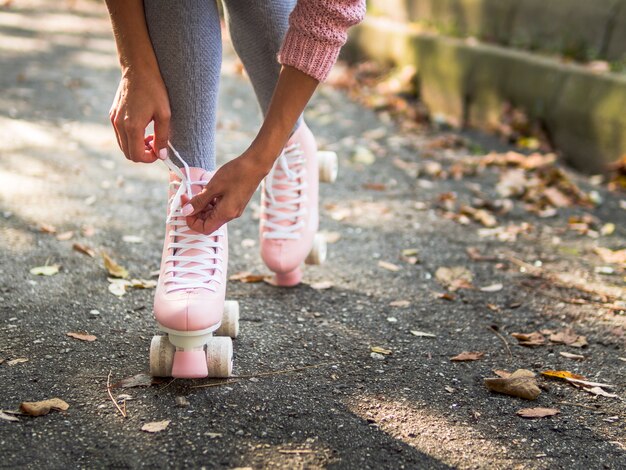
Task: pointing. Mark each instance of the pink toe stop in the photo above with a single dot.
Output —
(289, 279)
(190, 365)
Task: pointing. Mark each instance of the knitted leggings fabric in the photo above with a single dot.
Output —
(186, 37)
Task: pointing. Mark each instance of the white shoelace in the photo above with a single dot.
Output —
(206, 266)
(293, 184)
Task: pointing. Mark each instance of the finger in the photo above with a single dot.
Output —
(200, 201)
(208, 221)
(161, 133)
(112, 114)
(121, 133)
(136, 146)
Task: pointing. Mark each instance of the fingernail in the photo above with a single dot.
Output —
(163, 154)
(187, 209)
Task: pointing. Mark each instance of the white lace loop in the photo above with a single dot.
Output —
(203, 268)
(285, 207)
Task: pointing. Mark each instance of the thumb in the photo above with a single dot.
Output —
(161, 134)
(203, 201)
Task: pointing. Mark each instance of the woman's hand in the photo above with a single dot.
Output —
(141, 98)
(225, 197)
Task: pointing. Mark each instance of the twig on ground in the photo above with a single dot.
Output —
(576, 404)
(503, 339)
(265, 374)
(122, 412)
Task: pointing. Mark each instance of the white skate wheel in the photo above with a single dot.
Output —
(161, 356)
(230, 320)
(328, 165)
(219, 357)
(317, 255)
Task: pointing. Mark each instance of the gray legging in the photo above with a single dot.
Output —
(186, 37)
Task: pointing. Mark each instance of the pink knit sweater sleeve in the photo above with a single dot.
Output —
(317, 31)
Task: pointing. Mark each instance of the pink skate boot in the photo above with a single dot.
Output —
(189, 299)
(289, 207)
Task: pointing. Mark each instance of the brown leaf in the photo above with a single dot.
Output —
(379, 350)
(454, 278)
(88, 231)
(375, 186)
(47, 228)
(610, 256)
(84, 249)
(400, 303)
(139, 380)
(529, 339)
(113, 268)
(156, 426)
(446, 296)
(16, 361)
(521, 383)
(537, 412)
(248, 277)
(569, 337)
(39, 408)
(332, 237)
(65, 236)
(82, 336)
(556, 197)
(322, 285)
(468, 356)
(562, 374)
(502, 373)
(389, 266)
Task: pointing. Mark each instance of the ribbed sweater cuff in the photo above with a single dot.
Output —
(308, 55)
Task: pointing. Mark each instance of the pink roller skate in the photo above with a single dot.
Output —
(189, 300)
(289, 207)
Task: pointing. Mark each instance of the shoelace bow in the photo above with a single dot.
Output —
(286, 204)
(205, 266)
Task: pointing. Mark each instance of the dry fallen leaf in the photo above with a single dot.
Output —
(155, 426)
(569, 338)
(47, 228)
(39, 408)
(492, 288)
(139, 380)
(117, 287)
(16, 361)
(468, 356)
(142, 283)
(562, 374)
(48, 270)
(113, 268)
(248, 277)
(537, 412)
(599, 391)
(454, 278)
(65, 236)
(379, 350)
(82, 336)
(332, 237)
(400, 303)
(323, 285)
(7, 417)
(422, 334)
(568, 355)
(389, 266)
(610, 256)
(132, 239)
(521, 383)
(529, 339)
(84, 249)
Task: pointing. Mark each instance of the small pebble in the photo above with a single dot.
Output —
(182, 402)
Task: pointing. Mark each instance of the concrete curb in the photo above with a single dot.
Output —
(469, 83)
